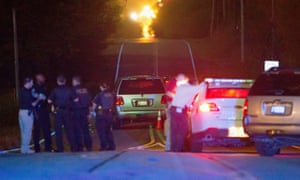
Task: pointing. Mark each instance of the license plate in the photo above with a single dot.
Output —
(142, 103)
(277, 109)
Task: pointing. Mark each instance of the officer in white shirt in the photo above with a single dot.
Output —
(183, 98)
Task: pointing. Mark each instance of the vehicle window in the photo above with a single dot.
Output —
(227, 93)
(277, 84)
(145, 86)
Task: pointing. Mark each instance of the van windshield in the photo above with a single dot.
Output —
(287, 84)
(142, 86)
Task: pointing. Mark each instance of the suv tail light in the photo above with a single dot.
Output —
(209, 107)
(245, 109)
(119, 100)
(164, 99)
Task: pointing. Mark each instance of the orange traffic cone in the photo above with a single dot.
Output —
(158, 122)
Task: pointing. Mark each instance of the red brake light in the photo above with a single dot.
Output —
(227, 93)
(164, 99)
(245, 108)
(208, 107)
(119, 100)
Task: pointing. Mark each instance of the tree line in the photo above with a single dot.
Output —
(55, 35)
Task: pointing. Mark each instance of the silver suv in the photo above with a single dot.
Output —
(272, 111)
(140, 98)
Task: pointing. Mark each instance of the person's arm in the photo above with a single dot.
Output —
(193, 91)
(34, 103)
(51, 97)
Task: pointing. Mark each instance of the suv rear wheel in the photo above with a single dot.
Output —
(266, 148)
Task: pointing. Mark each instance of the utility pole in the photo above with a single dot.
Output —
(224, 11)
(273, 29)
(16, 56)
(242, 33)
(212, 17)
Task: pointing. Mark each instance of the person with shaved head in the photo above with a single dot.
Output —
(42, 119)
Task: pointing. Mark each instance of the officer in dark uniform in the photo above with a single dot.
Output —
(62, 97)
(80, 112)
(42, 119)
(104, 107)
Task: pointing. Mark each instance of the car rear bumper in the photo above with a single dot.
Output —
(212, 137)
(234, 132)
(141, 114)
(271, 129)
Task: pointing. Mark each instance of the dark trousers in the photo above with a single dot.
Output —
(42, 122)
(81, 133)
(62, 120)
(179, 130)
(104, 128)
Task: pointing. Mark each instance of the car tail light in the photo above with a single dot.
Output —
(164, 99)
(208, 107)
(119, 100)
(245, 108)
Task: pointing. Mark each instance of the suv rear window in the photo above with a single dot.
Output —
(287, 84)
(145, 86)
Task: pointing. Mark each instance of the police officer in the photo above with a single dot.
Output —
(170, 92)
(182, 99)
(42, 119)
(62, 98)
(104, 106)
(26, 114)
(80, 112)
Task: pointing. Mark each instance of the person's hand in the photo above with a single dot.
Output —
(42, 96)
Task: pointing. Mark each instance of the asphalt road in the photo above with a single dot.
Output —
(140, 155)
(148, 164)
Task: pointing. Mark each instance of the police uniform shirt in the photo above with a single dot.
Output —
(184, 95)
(62, 96)
(84, 97)
(105, 99)
(25, 99)
(40, 89)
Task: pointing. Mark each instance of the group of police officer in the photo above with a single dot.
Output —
(71, 107)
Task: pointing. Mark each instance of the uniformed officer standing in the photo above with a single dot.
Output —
(62, 97)
(179, 114)
(26, 114)
(170, 92)
(42, 119)
(80, 112)
(104, 107)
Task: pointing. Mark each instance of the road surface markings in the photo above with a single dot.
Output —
(152, 142)
(105, 161)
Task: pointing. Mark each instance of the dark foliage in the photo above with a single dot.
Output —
(55, 35)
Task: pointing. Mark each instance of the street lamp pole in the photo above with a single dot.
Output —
(242, 33)
(16, 56)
